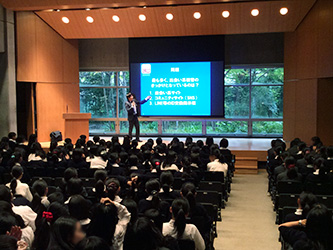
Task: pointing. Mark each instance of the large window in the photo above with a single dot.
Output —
(253, 105)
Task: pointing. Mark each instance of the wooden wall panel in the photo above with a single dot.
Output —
(325, 110)
(26, 47)
(42, 54)
(52, 101)
(290, 56)
(289, 110)
(306, 109)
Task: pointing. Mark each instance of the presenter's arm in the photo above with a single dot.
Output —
(144, 100)
(128, 106)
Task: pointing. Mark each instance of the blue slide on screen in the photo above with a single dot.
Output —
(177, 89)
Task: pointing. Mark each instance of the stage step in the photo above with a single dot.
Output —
(246, 165)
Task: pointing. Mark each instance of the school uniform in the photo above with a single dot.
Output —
(217, 166)
(98, 163)
(22, 189)
(190, 233)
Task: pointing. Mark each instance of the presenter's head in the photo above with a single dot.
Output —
(130, 97)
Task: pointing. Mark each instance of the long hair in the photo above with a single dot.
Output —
(307, 201)
(39, 188)
(16, 173)
(166, 180)
(112, 187)
(180, 209)
(7, 208)
(188, 191)
(62, 231)
(153, 188)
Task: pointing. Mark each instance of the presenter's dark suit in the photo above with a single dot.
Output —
(133, 117)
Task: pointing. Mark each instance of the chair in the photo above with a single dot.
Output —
(178, 182)
(214, 176)
(282, 212)
(289, 187)
(186, 244)
(88, 182)
(319, 187)
(212, 197)
(327, 200)
(285, 200)
(51, 189)
(58, 181)
(214, 186)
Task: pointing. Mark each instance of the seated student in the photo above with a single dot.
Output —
(37, 155)
(146, 164)
(16, 221)
(77, 161)
(224, 143)
(40, 202)
(170, 162)
(100, 177)
(16, 186)
(74, 186)
(318, 230)
(112, 189)
(44, 222)
(11, 243)
(68, 174)
(99, 159)
(319, 174)
(152, 201)
(134, 166)
(113, 167)
(93, 243)
(305, 202)
(134, 150)
(166, 192)
(109, 221)
(278, 169)
(27, 214)
(66, 233)
(12, 140)
(316, 143)
(187, 172)
(329, 161)
(177, 227)
(215, 164)
(290, 173)
(96, 139)
(79, 208)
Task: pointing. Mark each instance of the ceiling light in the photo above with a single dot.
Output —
(255, 12)
(115, 18)
(65, 19)
(225, 14)
(87, 8)
(197, 15)
(142, 17)
(89, 19)
(169, 16)
(283, 11)
(58, 10)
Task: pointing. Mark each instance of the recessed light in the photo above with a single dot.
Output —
(283, 11)
(169, 16)
(89, 19)
(225, 14)
(58, 10)
(197, 15)
(255, 12)
(142, 17)
(115, 18)
(65, 19)
(87, 8)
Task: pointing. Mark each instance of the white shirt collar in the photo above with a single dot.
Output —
(299, 211)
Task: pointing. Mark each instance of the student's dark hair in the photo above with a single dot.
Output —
(189, 140)
(329, 151)
(6, 207)
(62, 232)
(301, 146)
(56, 197)
(16, 172)
(53, 145)
(295, 142)
(224, 143)
(316, 140)
(16, 157)
(39, 188)
(170, 159)
(8, 242)
(292, 173)
(77, 154)
(83, 138)
(166, 180)
(209, 141)
(146, 236)
(32, 139)
(307, 202)
(104, 220)
(11, 135)
(5, 194)
(112, 186)
(93, 243)
(153, 187)
(290, 162)
(133, 160)
(42, 234)
(216, 153)
(159, 140)
(78, 207)
(180, 208)
(319, 163)
(70, 173)
(278, 150)
(319, 225)
(96, 138)
(188, 191)
(7, 221)
(132, 207)
(74, 186)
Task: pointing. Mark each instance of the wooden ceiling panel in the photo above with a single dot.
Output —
(211, 22)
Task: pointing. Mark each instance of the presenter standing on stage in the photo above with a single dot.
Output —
(131, 106)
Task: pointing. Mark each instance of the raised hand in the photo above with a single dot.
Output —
(15, 232)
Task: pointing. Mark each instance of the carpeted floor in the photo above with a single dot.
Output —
(248, 220)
